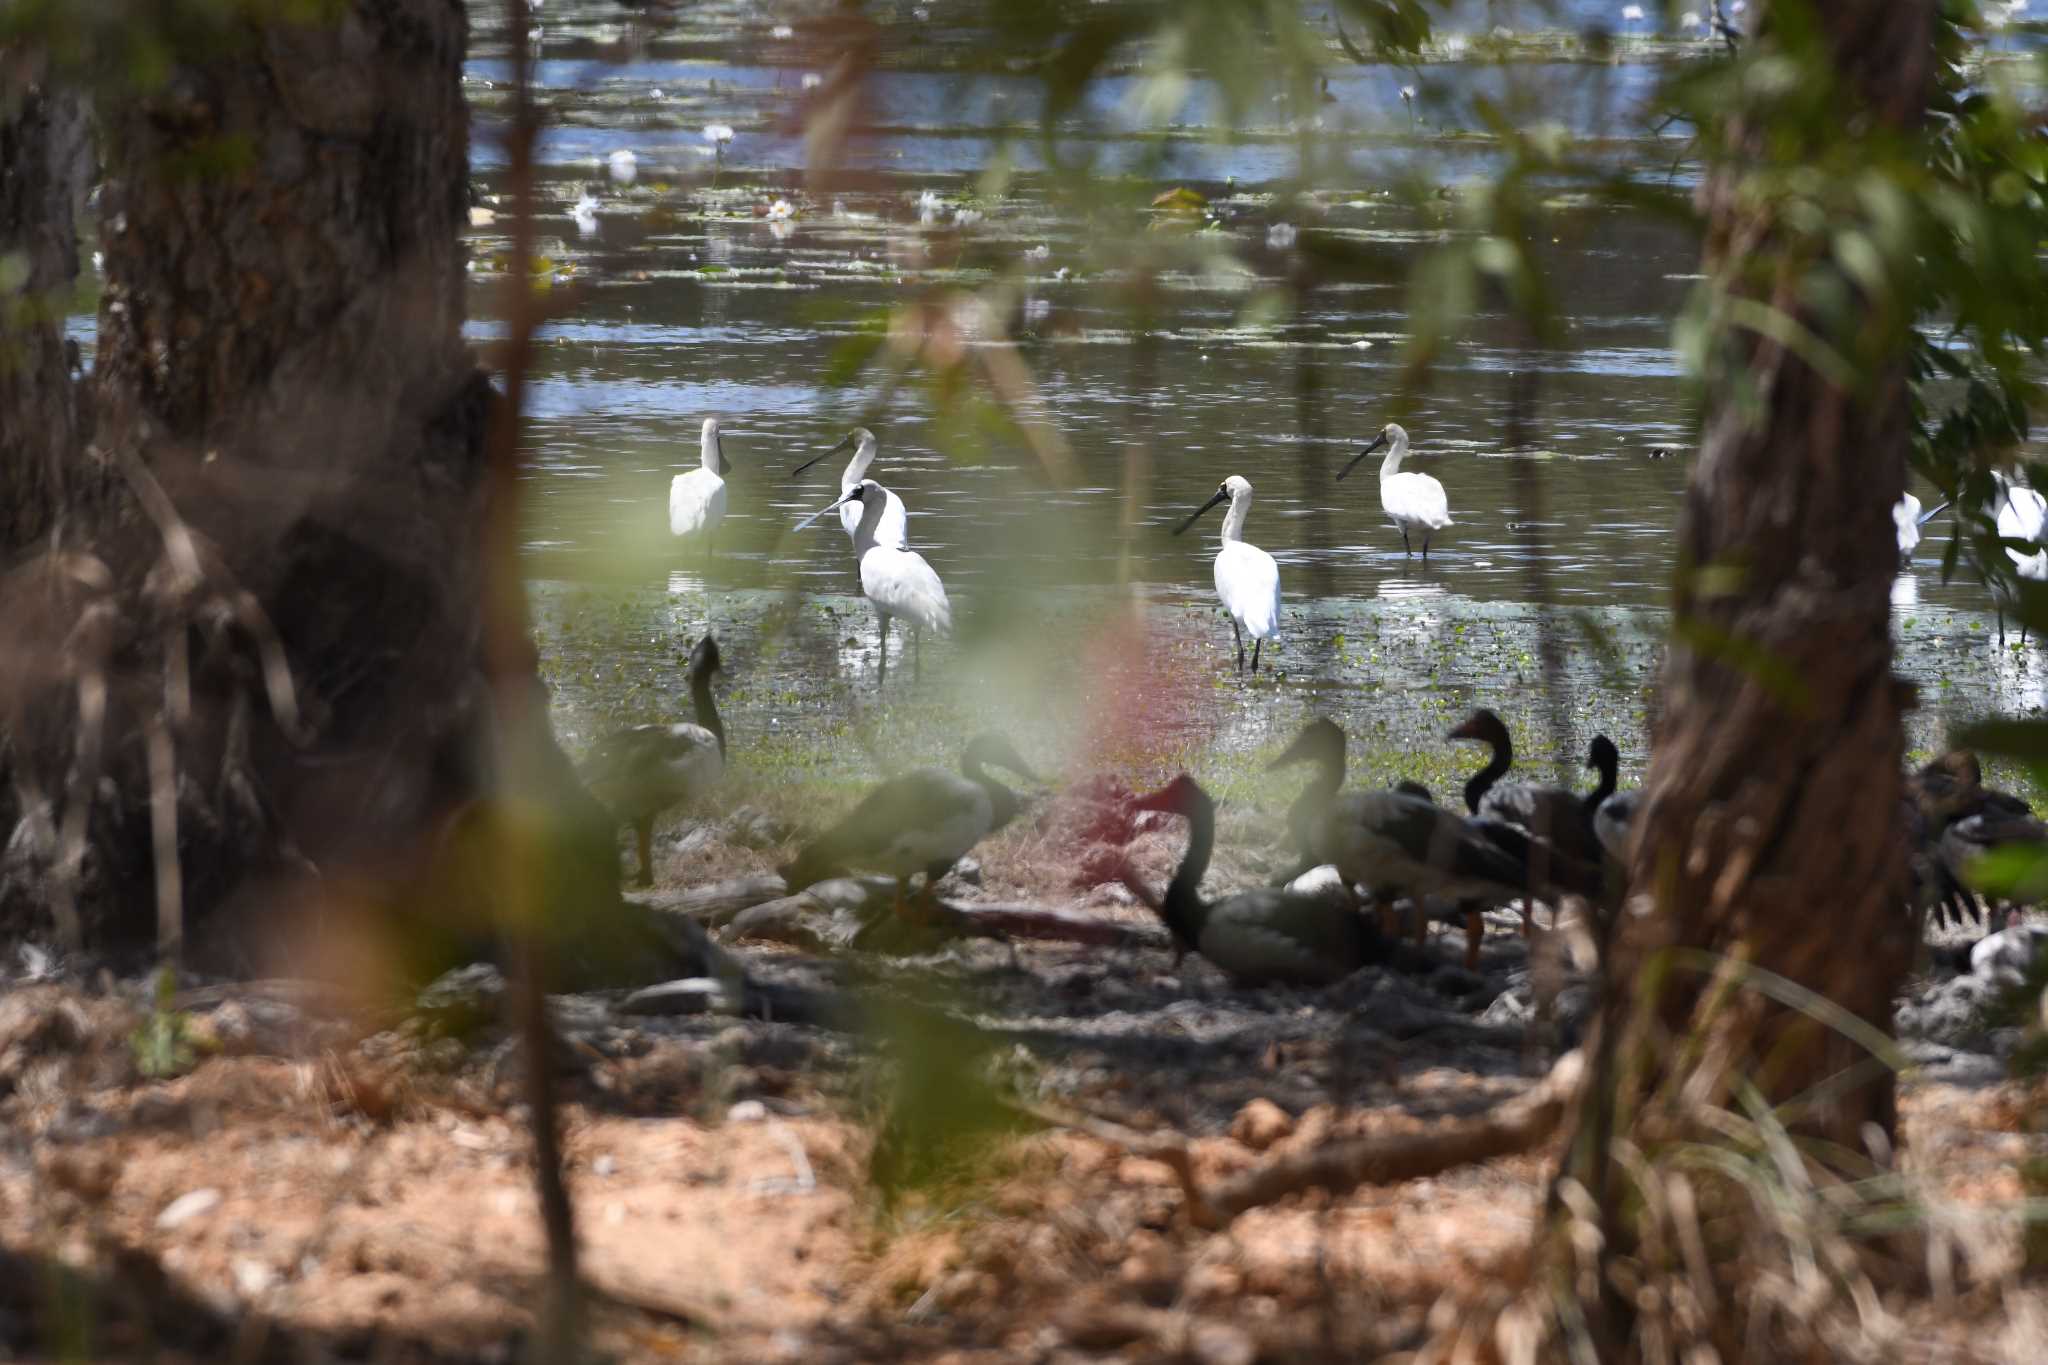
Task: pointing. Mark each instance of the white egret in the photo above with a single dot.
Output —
(1247, 578)
(696, 500)
(1413, 502)
(893, 530)
(898, 582)
(1907, 519)
(639, 773)
(922, 821)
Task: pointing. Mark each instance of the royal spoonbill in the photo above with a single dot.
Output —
(922, 821)
(1260, 936)
(1247, 579)
(1413, 502)
(1907, 519)
(897, 582)
(640, 772)
(696, 500)
(894, 528)
(2022, 514)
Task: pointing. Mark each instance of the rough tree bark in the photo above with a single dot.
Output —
(1771, 832)
(290, 432)
(43, 155)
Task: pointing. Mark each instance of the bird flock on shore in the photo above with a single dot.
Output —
(1365, 867)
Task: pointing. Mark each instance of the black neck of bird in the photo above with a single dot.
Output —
(707, 708)
(1483, 780)
(1605, 789)
(1182, 908)
(1002, 802)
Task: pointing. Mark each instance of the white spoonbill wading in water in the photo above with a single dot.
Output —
(894, 529)
(1247, 579)
(1413, 502)
(696, 500)
(1907, 519)
(897, 582)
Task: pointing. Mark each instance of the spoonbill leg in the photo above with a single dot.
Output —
(882, 677)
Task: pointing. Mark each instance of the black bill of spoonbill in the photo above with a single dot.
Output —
(1907, 519)
(696, 500)
(1247, 578)
(920, 821)
(640, 772)
(894, 528)
(1413, 502)
(898, 583)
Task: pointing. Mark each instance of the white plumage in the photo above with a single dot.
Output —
(1247, 578)
(899, 583)
(2022, 514)
(696, 500)
(1908, 518)
(893, 530)
(1413, 502)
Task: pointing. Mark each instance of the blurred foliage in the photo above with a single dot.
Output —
(131, 47)
(163, 1045)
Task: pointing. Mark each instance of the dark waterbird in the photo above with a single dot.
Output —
(640, 772)
(1265, 935)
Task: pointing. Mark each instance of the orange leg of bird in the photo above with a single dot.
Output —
(1390, 923)
(1475, 929)
(1421, 921)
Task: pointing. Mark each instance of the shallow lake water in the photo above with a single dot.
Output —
(690, 302)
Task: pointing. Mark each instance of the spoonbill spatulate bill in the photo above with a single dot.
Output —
(920, 821)
(640, 772)
(696, 500)
(1265, 935)
(1907, 519)
(898, 583)
(1413, 502)
(1247, 578)
(894, 528)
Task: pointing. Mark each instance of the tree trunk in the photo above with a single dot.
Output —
(290, 431)
(1771, 832)
(44, 157)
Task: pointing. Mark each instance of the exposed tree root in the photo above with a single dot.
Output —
(1340, 1165)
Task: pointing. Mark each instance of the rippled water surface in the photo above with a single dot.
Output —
(687, 300)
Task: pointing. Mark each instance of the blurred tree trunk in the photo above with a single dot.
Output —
(44, 156)
(1771, 831)
(292, 430)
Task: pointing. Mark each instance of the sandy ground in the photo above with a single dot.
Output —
(319, 1186)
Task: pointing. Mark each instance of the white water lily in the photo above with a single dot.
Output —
(782, 31)
(1407, 94)
(655, 93)
(812, 80)
(1281, 236)
(1038, 253)
(966, 217)
(1631, 14)
(781, 211)
(624, 166)
(928, 206)
(718, 134)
